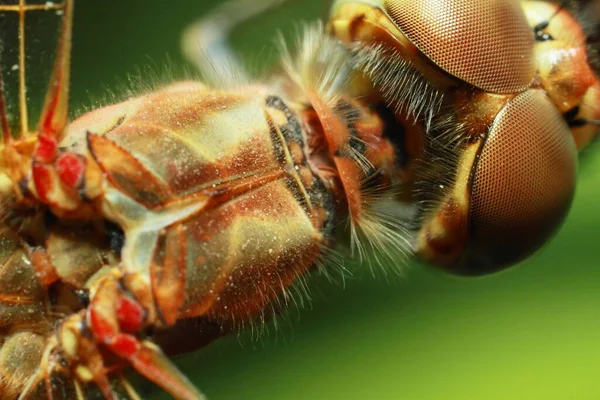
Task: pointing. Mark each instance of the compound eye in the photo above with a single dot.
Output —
(521, 185)
(487, 43)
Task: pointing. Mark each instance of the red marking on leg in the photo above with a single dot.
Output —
(47, 126)
(46, 149)
(129, 314)
(103, 330)
(42, 179)
(70, 169)
(125, 345)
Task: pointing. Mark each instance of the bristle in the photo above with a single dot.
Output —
(295, 297)
(363, 162)
(381, 239)
(381, 236)
(331, 266)
(153, 76)
(321, 64)
(404, 89)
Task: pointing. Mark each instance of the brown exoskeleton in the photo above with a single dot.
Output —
(197, 206)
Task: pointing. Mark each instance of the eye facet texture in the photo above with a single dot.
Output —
(521, 184)
(487, 43)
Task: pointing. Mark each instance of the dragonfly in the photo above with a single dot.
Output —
(199, 384)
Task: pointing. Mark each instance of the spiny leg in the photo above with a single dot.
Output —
(116, 318)
(56, 175)
(55, 113)
(22, 9)
(205, 43)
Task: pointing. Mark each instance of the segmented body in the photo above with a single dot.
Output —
(235, 203)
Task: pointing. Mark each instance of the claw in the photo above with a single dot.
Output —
(110, 315)
(151, 362)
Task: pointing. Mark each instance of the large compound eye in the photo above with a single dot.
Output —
(487, 43)
(521, 184)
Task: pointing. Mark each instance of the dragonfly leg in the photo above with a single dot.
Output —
(205, 43)
(116, 319)
(64, 180)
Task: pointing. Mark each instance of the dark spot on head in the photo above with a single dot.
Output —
(540, 35)
(357, 144)
(83, 295)
(49, 219)
(396, 134)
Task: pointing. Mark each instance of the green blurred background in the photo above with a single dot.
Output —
(525, 334)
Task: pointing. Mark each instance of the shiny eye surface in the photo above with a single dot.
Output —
(499, 196)
(521, 184)
(487, 43)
